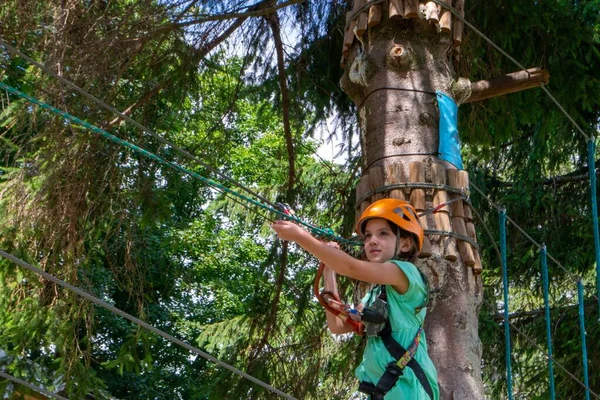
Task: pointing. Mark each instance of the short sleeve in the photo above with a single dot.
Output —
(416, 295)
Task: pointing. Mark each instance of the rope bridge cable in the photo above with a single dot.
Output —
(314, 230)
(592, 175)
(504, 318)
(547, 318)
(32, 387)
(139, 322)
(584, 360)
(532, 240)
(507, 347)
(534, 344)
(113, 110)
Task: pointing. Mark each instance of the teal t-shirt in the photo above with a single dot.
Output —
(405, 324)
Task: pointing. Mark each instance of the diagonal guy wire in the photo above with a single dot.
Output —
(139, 322)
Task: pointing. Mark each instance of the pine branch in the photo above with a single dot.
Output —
(285, 99)
(257, 10)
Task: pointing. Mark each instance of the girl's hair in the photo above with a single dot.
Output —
(410, 255)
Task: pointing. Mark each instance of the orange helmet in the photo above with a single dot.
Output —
(398, 212)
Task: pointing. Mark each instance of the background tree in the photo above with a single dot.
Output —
(209, 77)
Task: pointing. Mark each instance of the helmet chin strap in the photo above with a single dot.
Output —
(396, 248)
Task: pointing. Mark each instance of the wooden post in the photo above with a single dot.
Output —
(411, 8)
(509, 83)
(417, 199)
(396, 9)
(442, 216)
(457, 180)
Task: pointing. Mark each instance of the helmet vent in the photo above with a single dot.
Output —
(400, 212)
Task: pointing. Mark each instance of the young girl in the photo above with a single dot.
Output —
(395, 363)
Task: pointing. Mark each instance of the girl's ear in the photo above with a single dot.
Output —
(406, 244)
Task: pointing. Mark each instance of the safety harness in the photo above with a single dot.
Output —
(395, 369)
(377, 324)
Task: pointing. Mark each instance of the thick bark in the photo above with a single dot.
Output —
(393, 80)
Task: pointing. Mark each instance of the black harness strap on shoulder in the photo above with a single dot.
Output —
(393, 371)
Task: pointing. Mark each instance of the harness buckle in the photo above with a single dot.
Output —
(394, 369)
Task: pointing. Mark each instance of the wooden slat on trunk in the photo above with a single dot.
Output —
(396, 9)
(442, 216)
(457, 30)
(457, 179)
(431, 12)
(411, 8)
(446, 17)
(478, 267)
(376, 182)
(361, 190)
(417, 199)
(348, 35)
(395, 174)
(362, 19)
(374, 15)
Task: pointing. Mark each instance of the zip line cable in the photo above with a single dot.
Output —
(319, 232)
(139, 322)
(113, 110)
(504, 53)
(32, 387)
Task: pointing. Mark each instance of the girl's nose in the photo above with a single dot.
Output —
(372, 241)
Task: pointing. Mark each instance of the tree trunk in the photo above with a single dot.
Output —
(392, 74)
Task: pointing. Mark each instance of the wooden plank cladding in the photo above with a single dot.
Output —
(364, 17)
(440, 197)
(417, 199)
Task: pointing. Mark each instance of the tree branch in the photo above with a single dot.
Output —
(253, 11)
(285, 99)
(575, 176)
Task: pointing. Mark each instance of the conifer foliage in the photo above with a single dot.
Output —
(248, 88)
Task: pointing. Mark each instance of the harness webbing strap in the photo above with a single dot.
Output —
(398, 352)
(395, 369)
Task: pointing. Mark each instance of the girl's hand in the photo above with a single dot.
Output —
(287, 230)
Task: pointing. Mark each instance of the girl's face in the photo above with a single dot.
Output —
(380, 241)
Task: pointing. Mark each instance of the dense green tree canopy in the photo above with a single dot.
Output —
(204, 266)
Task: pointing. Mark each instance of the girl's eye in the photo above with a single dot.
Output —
(368, 236)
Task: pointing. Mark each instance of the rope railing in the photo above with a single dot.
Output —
(31, 386)
(139, 322)
(502, 252)
(319, 232)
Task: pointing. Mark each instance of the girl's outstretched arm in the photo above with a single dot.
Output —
(340, 262)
